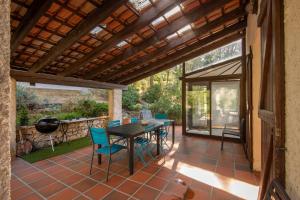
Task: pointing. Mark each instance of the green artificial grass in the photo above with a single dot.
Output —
(59, 149)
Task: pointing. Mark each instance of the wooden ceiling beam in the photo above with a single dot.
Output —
(178, 58)
(91, 21)
(34, 13)
(162, 33)
(144, 20)
(32, 77)
(206, 28)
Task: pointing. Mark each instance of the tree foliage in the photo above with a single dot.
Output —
(152, 94)
(130, 98)
(24, 98)
(90, 108)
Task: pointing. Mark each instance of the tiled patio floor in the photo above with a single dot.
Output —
(209, 173)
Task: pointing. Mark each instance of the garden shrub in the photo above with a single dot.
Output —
(130, 98)
(23, 115)
(90, 108)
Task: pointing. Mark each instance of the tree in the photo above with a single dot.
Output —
(152, 94)
(24, 97)
(130, 98)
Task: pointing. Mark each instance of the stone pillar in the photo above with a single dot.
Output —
(13, 116)
(5, 159)
(115, 104)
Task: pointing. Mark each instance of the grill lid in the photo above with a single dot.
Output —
(47, 125)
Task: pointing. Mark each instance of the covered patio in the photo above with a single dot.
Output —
(110, 44)
(209, 173)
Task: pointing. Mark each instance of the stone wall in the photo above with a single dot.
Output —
(292, 88)
(75, 130)
(5, 159)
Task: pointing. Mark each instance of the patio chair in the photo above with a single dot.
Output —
(115, 123)
(100, 137)
(276, 191)
(234, 132)
(134, 120)
(142, 144)
(161, 116)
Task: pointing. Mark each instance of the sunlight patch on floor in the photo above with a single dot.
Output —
(233, 186)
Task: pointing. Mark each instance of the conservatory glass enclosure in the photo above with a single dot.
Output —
(212, 97)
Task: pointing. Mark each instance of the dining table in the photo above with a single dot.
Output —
(130, 132)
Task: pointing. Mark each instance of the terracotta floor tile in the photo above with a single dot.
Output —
(140, 177)
(15, 184)
(146, 183)
(20, 192)
(157, 183)
(67, 193)
(44, 164)
(33, 177)
(42, 183)
(32, 196)
(176, 189)
(225, 171)
(146, 193)
(63, 174)
(150, 169)
(222, 195)
(115, 195)
(25, 172)
(166, 173)
(114, 181)
(81, 197)
(84, 185)
(195, 193)
(73, 179)
(98, 176)
(98, 191)
(129, 187)
(51, 189)
(165, 196)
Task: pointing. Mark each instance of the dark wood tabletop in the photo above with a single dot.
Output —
(129, 130)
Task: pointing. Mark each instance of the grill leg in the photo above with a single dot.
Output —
(51, 141)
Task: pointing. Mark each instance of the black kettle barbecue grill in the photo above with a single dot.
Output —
(47, 126)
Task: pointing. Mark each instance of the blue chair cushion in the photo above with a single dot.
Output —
(163, 133)
(141, 140)
(114, 149)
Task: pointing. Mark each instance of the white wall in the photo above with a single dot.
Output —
(292, 87)
(253, 40)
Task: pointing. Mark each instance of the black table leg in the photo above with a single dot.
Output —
(157, 142)
(131, 155)
(99, 155)
(173, 132)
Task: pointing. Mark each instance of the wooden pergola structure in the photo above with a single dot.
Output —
(112, 43)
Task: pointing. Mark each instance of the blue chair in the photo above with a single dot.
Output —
(99, 137)
(161, 116)
(163, 134)
(143, 144)
(114, 123)
(134, 120)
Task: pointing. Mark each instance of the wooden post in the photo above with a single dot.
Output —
(183, 98)
(243, 82)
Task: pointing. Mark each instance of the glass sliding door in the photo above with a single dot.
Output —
(198, 108)
(225, 105)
